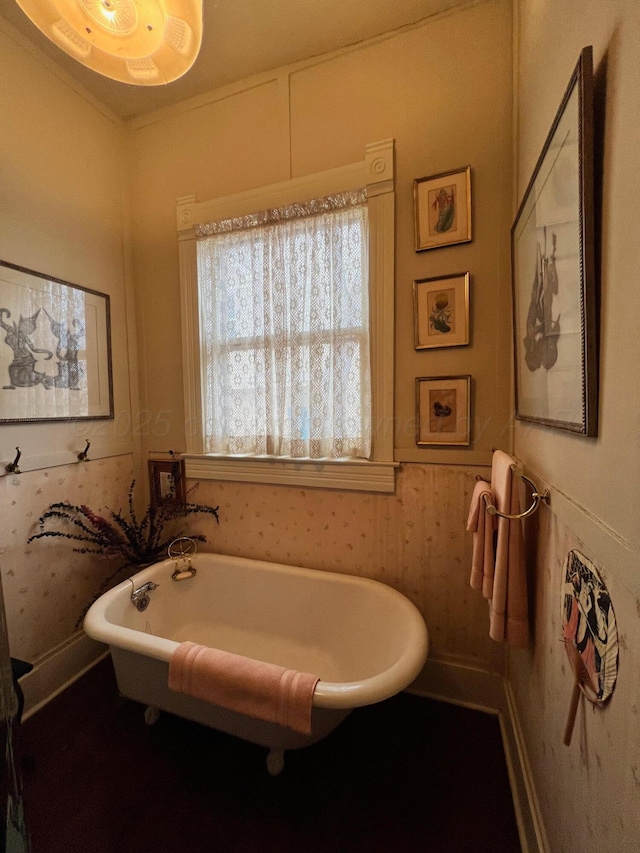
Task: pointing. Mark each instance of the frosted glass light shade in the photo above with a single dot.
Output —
(142, 42)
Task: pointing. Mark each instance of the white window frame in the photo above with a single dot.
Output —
(377, 474)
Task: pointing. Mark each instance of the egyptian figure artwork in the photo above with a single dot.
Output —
(70, 370)
(23, 372)
(542, 332)
(55, 349)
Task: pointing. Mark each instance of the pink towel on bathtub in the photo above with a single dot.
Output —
(251, 687)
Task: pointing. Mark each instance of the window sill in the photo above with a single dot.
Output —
(353, 475)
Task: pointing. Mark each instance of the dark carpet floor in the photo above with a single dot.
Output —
(409, 774)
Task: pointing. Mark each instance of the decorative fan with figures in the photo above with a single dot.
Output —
(590, 633)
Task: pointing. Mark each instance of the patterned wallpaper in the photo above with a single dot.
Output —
(46, 585)
(589, 792)
(413, 540)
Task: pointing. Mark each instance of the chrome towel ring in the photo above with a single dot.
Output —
(536, 496)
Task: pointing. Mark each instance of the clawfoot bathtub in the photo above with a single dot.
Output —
(363, 639)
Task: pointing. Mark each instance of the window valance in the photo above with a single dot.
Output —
(273, 215)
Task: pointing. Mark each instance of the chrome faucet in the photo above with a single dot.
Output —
(140, 597)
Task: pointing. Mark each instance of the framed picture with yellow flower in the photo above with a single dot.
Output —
(442, 209)
(441, 311)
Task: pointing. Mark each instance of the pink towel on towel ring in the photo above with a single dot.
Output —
(482, 525)
(508, 612)
(251, 687)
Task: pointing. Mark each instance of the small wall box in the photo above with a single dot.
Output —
(167, 481)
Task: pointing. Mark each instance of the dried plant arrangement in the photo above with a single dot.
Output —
(118, 535)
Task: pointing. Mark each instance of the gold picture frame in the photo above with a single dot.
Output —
(443, 410)
(441, 311)
(442, 209)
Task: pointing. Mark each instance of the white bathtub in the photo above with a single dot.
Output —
(363, 639)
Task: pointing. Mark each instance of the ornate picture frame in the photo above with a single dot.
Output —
(55, 364)
(442, 209)
(443, 410)
(553, 272)
(441, 311)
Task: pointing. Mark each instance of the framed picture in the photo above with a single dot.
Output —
(553, 272)
(55, 349)
(442, 209)
(441, 311)
(167, 481)
(443, 410)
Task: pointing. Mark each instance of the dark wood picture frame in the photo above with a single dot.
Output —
(167, 481)
(55, 349)
(554, 272)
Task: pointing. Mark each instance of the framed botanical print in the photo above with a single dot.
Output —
(441, 311)
(443, 410)
(442, 209)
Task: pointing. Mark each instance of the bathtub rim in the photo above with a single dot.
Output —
(336, 695)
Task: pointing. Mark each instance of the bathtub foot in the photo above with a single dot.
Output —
(275, 762)
(151, 715)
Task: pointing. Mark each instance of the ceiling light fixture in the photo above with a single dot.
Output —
(142, 42)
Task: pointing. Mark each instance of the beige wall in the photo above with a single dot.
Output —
(589, 792)
(425, 87)
(46, 586)
(221, 147)
(551, 37)
(443, 91)
(62, 213)
(65, 187)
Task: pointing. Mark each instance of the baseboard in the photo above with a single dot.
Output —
(58, 669)
(461, 684)
(458, 682)
(522, 777)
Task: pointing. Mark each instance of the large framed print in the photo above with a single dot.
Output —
(553, 272)
(55, 349)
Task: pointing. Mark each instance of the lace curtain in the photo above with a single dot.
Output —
(285, 331)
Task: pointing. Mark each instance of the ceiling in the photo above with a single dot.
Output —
(242, 38)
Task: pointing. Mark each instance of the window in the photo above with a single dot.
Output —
(284, 318)
(287, 321)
